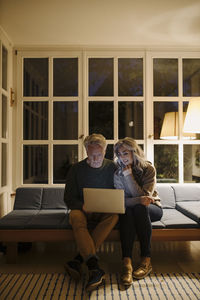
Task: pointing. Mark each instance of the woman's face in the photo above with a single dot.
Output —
(125, 156)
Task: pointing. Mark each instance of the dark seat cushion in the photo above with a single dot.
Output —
(173, 218)
(17, 219)
(190, 209)
(48, 219)
(53, 198)
(28, 198)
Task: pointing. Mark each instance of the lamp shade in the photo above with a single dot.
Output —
(169, 128)
(192, 119)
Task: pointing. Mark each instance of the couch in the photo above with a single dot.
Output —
(40, 214)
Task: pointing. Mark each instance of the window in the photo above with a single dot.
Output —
(4, 116)
(67, 95)
(50, 105)
(175, 82)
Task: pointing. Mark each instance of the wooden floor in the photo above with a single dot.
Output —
(50, 257)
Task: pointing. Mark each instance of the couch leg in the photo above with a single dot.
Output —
(11, 252)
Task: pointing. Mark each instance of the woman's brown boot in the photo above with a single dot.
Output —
(127, 269)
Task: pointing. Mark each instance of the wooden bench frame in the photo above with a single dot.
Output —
(12, 237)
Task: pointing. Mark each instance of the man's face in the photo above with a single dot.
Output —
(95, 155)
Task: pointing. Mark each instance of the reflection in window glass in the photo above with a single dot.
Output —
(101, 77)
(35, 120)
(65, 120)
(130, 119)
(4, 164)
(193, 136)
(4, 67)
(63, 158)
(130, 77)
(166, 120)
(109, 152)
(166, 162)
(4, 116)
(191, 77)
(35, 164)
(165, 77)
(35, 76)
(101, 118)
(191, 163)
(65, 77)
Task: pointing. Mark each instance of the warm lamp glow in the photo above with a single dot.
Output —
(170, 127)
(192, 119)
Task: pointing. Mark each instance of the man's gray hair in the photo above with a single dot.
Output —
(95, 139)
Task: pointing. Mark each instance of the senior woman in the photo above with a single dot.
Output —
(137, 177)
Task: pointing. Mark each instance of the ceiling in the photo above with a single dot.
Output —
(169, 23)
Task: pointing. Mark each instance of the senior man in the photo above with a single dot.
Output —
(93, 172)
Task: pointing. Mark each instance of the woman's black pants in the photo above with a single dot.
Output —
(137, 222)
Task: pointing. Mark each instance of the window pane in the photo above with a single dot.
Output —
(4, 116)
(101, 118)
(63, 157)
(130, 122)
(166, 162)
(191, 77)
(65, 77)
(4, 165)
(35, 164)
(191, 163)
(35, 120)
(35, 76)
(165, 120)
(65, 120)
(188, 135)
(109, 152)
(130, 77)
(4, 67)
(165, 77)
(101, 77)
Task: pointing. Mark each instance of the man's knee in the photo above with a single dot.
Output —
(77, 218)
(113, 218)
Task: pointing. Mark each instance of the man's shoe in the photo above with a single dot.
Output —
(143, 270)
(73, 268)
(96, 278)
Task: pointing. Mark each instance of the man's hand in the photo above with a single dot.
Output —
(146, 200)
(83, 208)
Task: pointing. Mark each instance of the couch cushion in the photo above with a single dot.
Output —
(53, 198)
(166, 194)
(187, 192)
(48, 219)
(17, 219)
(172, 218)
(190, 209)
(157, 225)
(28, 198)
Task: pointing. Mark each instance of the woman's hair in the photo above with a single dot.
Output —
(95, 139)
(131, 145)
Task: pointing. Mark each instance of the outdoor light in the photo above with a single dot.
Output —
(192, 119)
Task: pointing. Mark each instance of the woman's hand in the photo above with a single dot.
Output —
(128, 167)
(146, 200)
(127, 170)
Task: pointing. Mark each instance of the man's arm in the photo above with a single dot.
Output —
(71, 194)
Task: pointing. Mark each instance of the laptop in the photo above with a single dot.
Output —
(104, 200)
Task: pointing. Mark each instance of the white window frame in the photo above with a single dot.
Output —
(6, 191)
(83, 98)
(51, 99)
